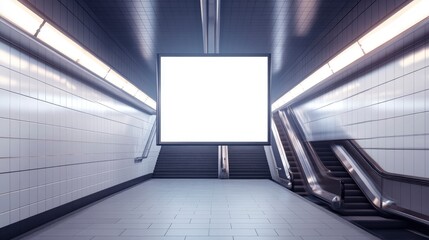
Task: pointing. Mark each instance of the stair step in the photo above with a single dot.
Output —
(248, 162)
(187, 162)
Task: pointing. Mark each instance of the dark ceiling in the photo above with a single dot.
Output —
(284, 28)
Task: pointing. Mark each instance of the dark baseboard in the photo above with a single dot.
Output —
(23, 226)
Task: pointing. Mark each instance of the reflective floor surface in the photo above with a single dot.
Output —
(201, 209)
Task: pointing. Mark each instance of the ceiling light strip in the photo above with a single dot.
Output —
(404, 19)
(15, 12)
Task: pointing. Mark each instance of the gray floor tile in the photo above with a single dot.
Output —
(160, 225)
(56, 238)
(100, 232)
(188, 232)
(207, 209)
(119, 225)
(232, 232)
(209, 238)
(144, 232)
(266, 232)
(138, 238)
(268, 238)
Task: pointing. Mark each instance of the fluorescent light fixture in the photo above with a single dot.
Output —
(316, 77)
(141, 96)
(93, 64)
(22, 17)
(151, 103)
(346, 57)
(399, 22)
(63, 44)
(116, 79)
(60, 42)
(213, 99)
(407, 17)
(130, 89)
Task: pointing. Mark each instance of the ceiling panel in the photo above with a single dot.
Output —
(148, 27)
(284, 28)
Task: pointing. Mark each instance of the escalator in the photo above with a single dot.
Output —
(187, 162)
(248, 162)
(357, 209)
(355, 203)
(298, 183)
(326, 158)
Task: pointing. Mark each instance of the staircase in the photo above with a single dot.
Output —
(187, 162)
(248, 162)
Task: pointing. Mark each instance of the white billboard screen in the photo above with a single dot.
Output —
(213, 99)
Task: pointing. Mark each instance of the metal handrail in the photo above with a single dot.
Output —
(223, 161)
(360, 177)
(307, 167)
(281, 150)
(149, 141)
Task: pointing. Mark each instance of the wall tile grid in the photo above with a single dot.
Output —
(60, 139)
(386, 110)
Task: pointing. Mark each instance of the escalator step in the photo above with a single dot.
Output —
(340, 174)
(355, 199)
(359, 212)
(351, 186)
(358, 205)
(353, 192)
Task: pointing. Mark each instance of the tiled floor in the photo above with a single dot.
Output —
(202, 209)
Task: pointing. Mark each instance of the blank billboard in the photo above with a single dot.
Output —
(213, 99)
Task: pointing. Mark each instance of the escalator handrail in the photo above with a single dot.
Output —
(360, 177)
(326, 180)
(381, 172)
(281, 151)
(368, 164)
(309, 173)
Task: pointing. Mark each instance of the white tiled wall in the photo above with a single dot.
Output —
(385, 110)
(60, 139)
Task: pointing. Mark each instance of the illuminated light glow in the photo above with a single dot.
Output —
(279, 34)
(346, 57)
(411, 14)
(63, 44)
(316, 77)
(130, 89)
(116, 79)
(4, 55)
(93, 64)
(305, 16)
(141, 96)
(405, 18)
(151, 103)
(22, 17)
(414, 58)
(210, 100)
(60, 42)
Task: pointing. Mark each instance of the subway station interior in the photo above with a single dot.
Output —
(304, 119)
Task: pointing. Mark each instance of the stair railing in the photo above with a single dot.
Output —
(149, 141)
